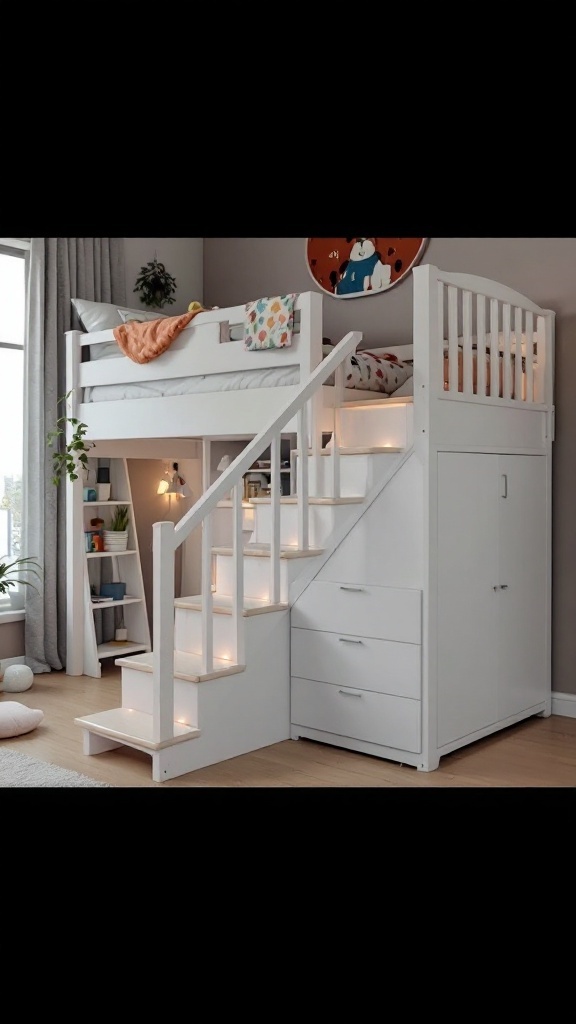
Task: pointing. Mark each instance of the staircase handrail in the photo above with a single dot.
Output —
(244, 461)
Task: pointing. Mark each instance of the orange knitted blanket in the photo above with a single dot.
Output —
(143, 342)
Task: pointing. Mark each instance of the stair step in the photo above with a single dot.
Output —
(186, 666)
(222, 605)
(263, 551)
(293, 500)
(132, 727)
(377, 403)
(371, 450)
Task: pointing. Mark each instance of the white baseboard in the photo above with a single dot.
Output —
(564, 704)
(4, 662)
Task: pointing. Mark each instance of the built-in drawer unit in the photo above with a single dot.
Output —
(356, 713)
(387, 613)
(384, 666)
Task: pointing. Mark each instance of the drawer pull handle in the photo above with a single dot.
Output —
(356, 589)
(347, 640)
(346, 693)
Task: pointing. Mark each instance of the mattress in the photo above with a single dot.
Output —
(236, 380)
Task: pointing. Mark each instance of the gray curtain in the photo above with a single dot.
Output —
(60, 269)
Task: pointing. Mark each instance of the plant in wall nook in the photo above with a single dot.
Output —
(116, 536)
(155, 285)
(120, 519)
(70, 458)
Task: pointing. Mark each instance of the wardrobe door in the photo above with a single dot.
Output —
(467, 595)
(522, 599)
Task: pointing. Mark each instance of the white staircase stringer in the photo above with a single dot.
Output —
(236, 713)
(298, 585)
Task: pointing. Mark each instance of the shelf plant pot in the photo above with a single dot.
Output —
(117, 591)
(115, 540)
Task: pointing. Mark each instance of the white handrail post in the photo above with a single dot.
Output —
(302, 485)
(275, 511)
(207, 602)
(163, 548)
(335, 456)
(238, 575)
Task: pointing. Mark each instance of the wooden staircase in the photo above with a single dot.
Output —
(238, 700)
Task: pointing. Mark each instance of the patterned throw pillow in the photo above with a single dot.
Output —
(369, 372)
(268, 323)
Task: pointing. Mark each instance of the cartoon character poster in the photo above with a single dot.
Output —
(348, 268)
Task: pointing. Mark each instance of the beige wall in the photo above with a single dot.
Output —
(544, 269)
(182, 258)
(11, 640)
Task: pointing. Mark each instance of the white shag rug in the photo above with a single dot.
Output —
(19, 771)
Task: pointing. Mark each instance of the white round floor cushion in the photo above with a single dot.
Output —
(16, 719)
(16, 679)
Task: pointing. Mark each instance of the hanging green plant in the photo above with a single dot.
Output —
(155, 284)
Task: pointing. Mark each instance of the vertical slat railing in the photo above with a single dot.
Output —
(529, 357)
(207, 601)
(481, 345)
(302, 477)
(506, 351)
(453, 374)
(443, 383)
(494, 350)
(163, 549)
(275, 511)
(518, 375)
(238, 623)
(335, 453)
(467, 377)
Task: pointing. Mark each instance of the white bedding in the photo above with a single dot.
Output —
(236, 380)
(276, 376)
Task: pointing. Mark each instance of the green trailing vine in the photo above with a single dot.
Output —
(71, 458)
(155, 285)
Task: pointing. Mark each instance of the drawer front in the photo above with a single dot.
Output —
(357, 714)
(388, 613)
(380, 665)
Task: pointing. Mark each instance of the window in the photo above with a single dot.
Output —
(13, 273)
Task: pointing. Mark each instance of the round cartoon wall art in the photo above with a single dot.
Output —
(348, 268)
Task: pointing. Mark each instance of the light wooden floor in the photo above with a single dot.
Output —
(539, 752)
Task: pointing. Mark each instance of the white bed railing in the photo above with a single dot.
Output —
(167, 537)
(482, 341)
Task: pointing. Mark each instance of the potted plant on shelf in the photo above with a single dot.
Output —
(71, 457)
(13, 576)
(116, 537)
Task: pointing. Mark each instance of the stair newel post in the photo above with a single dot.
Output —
(335, 456)
(238, 574)
(275, 514)
(163, 547)
(302, 478)
(207, 602)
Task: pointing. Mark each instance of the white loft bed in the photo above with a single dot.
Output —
(206, 384)
(449, 548)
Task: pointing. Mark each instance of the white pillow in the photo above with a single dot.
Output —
(103, 316)
(16, 719)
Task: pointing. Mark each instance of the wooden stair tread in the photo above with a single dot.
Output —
(377, 403)
(222, 605)
(263, 551)
(133, 728)
(186, 666)
(370, 450)
(293, 500)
